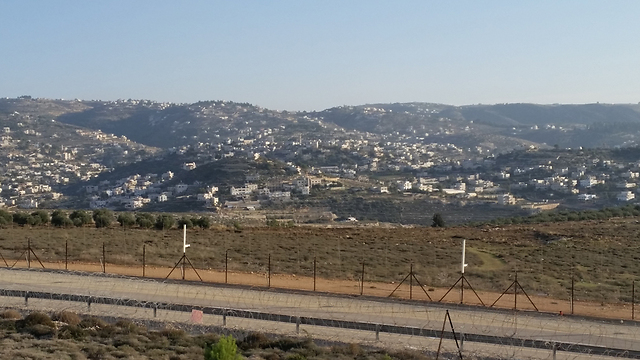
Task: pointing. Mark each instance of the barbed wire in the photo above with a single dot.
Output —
(407, 324)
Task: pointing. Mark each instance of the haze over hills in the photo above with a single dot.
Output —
(499, 127)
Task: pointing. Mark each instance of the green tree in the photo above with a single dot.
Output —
(145, 220)
(5, 217)
(224, 349)
(80, 218)
(185, 221)
(126, 219)
(165, 222)
(60, 219)
(102, 218)
(438, 221)
(43, 215)
(203, 222)
(20, 218)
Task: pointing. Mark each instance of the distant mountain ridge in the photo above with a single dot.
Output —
(503, 126)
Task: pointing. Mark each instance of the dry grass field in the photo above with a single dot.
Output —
(602, 255)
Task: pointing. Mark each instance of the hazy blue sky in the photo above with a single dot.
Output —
(310, 55)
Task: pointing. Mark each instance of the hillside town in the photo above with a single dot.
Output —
(43, 159)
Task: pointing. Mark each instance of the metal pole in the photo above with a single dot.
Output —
(66, 254)
(462, 266)
(362, 284)
(226, 266)
(515, 293)
(29, 253)
(269, 272)
(411, 281)
(572, 286)
(633, 300)
(144, 255)
(315, 261)
(104, 260)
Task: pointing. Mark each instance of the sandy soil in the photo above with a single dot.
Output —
(378, 289)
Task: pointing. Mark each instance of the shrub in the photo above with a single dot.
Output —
(60, 219)
(72, 332)
(203, 222)
(185, 221)
(6, 217)
(102, 217)
(126, 219)
(37, 324)
(80, 218)
(67, 317)
(165, 221)
(11, 314)
(20, 218)
(224, 349)
(92, 322)
(254, 341)
(37, 318)
(43, 215)
(438, 221)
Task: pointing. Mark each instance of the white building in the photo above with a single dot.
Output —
(506, 199)
(188, 166)
(626, 196)
(587, 197)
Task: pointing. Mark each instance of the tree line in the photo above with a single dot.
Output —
(101, 218)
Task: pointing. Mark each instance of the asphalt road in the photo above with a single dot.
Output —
(621, 335)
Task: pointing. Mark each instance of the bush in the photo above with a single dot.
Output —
(20, 218)
(102, 217)
(37, 318)
(71, 332)
(126, 219)
(43, 215)
(165, 221)
(80, 218)
(145, 220)
(60, 219)
(203, 222)
(67, 317)
(5, 217)
(185, 221)
(11, 314)
(224, 349)
(438, 221)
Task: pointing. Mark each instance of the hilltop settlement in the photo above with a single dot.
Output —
(374, 163)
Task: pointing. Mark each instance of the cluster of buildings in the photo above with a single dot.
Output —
(34, 164)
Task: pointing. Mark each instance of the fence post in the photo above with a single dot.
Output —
(29, 253)
(26, 298)
(411, 281)
(633, 300)
(155, 310)
(224, 317)
(144, 259)
(226, 266)
(315, 261)
(269, 272)
(66, 254)
(298, 325)
(554, 350)
(572, 286)
(362, 283)
(104, 260)
(377, 332)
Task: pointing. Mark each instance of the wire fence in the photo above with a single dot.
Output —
(480, 332)
(305, 265)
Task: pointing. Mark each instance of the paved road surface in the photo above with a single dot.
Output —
(423, 315)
